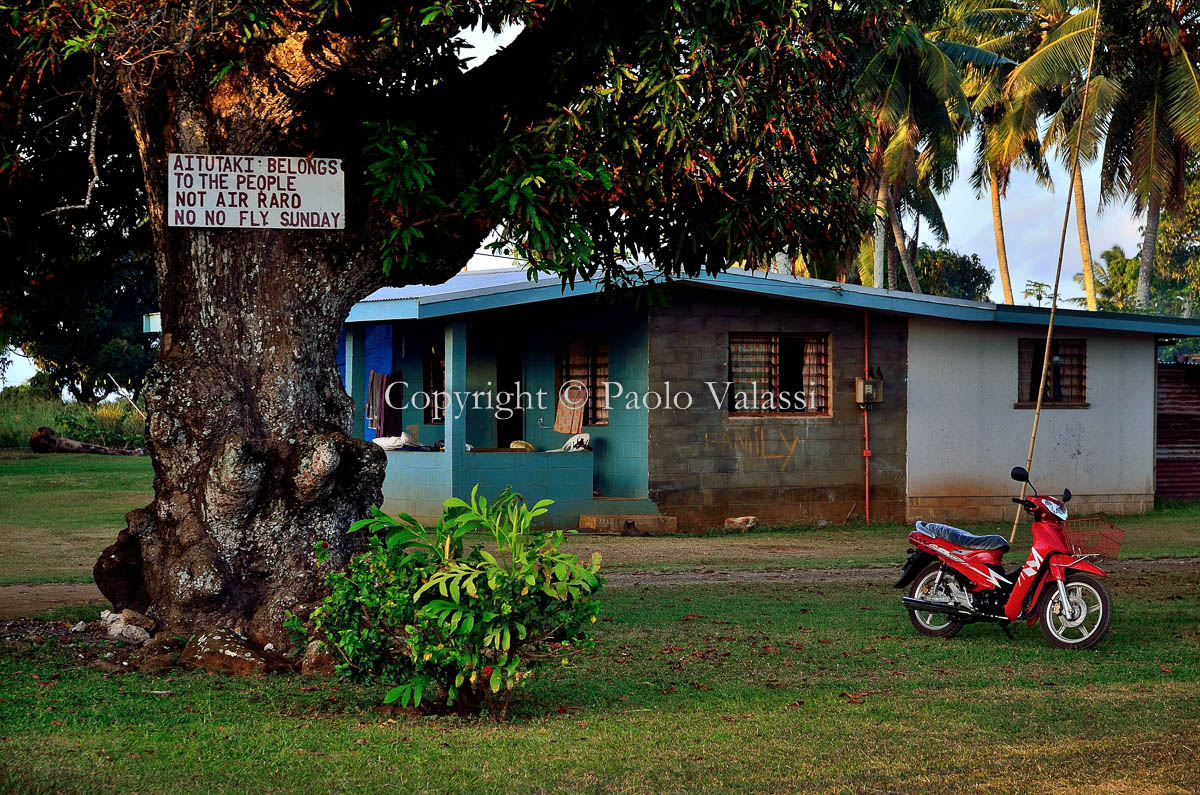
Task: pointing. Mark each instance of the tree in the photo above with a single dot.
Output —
(1115, 281)
(76, 281)
(690, 135)
(85, 324)
(1008, 109)
(1154, 55)
(1177, 255)
(913, 88)
(1054, 77)
(948, 273)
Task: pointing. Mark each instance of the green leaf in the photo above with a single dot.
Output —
(418, 689)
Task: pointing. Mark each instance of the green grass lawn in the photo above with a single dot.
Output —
(57, 512)
(744, 687)
(730, 686)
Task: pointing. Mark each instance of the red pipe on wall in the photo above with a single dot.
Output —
(866, 426)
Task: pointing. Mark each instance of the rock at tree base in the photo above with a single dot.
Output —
(136, 619)
(317, 660)
(119, 629)
(225, 650)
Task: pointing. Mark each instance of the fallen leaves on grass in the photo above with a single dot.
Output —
(858, 698)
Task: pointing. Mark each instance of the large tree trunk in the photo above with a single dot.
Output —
(998, 228)
(1149, 243)
(881, 211)
(249, 425)
(1085, 244)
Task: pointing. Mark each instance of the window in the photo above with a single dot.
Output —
(584, 357)
(1066, 377)
(435, 382)
(779, 374)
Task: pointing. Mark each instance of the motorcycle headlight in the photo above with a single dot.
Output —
(1058, 510)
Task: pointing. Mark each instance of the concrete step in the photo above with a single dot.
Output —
(613, 523)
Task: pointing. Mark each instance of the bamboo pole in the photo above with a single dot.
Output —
(1062, 243)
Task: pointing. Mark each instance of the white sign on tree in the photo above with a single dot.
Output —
(256, 192)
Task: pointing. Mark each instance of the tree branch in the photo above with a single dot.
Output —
(95, 180)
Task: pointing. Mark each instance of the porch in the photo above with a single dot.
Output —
(501, 351)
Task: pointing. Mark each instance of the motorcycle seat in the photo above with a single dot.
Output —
(961, 538)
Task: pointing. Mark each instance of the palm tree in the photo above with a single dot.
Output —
(1155, 123)
(1006, 123)
(1049, 81)
(1115, 281)
(913, 87)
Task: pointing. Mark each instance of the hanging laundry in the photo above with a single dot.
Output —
(569, 417)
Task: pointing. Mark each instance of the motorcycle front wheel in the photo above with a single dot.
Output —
(1084, 620)
(935, 625)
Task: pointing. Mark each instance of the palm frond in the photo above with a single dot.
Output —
(1062, 57)
(923, 201)
(970, 55)
(1181, 90)
(1103, 96)
(1153, 157)
(942, 77)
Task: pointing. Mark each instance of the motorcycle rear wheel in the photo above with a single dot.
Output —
(1086, 593)
(935, 625)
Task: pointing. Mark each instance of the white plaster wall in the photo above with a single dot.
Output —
(964, 434)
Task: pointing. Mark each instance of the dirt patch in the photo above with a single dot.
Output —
(780, 548)
(880, 573)
(20, 601)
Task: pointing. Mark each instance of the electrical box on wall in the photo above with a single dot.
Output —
(868, 390)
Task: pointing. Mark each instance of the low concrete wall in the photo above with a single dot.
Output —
(418, 483)
(565, 478)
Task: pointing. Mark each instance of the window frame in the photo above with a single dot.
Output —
(595, 415)
(826, 337)
(1033, 347)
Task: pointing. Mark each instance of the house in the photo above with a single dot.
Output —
(740, 394)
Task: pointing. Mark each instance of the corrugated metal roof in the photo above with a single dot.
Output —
(472, 291)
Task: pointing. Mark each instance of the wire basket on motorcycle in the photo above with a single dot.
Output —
(1093, 537)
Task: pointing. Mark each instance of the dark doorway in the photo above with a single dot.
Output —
(509, 377)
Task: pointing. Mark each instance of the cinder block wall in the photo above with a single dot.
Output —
(705, 465)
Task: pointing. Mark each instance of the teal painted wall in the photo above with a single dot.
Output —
(418, 483)
(620, 447)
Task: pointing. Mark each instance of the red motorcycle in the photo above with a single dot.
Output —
(957, 579)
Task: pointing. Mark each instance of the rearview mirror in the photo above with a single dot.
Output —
(1066, 495)
(1019, 474)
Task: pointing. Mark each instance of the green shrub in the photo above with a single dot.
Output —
(416, 611)
(113, 424)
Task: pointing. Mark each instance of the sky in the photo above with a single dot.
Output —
(1033, 217)
(1032, 221)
